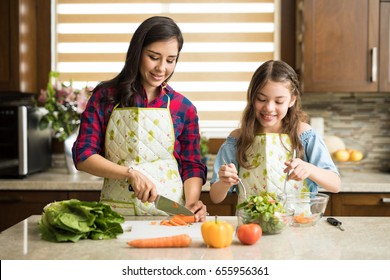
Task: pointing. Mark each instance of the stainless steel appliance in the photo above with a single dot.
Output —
(24, 148)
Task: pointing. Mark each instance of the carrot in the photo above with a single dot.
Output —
(301, 219)
(181, 240)
(187, 219)
(165, 223)
(178, 220)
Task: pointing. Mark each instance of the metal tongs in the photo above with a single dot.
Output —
(239, 180)
(282, 197)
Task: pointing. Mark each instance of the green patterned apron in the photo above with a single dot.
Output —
(267, 155)
(144, 139)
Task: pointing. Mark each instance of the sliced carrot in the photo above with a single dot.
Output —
(181, 240)
(153, 222)
(175, 205)
(174, 223)
(301, 219)
(187, 219)
(165, 223)
(178, 220)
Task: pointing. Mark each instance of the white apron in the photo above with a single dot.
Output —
(268, 154)
(144, 139)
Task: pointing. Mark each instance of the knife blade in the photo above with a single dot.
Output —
(171, 207)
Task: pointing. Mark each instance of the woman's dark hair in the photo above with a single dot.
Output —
(128, 81)
(280, 72)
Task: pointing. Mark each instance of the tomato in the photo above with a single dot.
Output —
(249, 234)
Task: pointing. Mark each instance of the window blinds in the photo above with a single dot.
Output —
(224, 43)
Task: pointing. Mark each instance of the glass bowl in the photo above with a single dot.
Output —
(269, 223)
(307, 208)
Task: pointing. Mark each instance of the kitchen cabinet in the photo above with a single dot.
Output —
(25, 53)
(361, 204)
(338, 45)
(18, 205)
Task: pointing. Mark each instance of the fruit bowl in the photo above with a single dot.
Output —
(308, 208)
(352, 152)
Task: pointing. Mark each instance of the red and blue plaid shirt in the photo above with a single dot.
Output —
(95, 118)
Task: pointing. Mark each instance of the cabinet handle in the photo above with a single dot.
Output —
(374, 68)
(385, 199)
(300, 6)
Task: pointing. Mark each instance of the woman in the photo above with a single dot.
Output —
(137, 131)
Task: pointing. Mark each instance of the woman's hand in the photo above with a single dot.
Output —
(200, 211)
(144, 189)
(228, 174)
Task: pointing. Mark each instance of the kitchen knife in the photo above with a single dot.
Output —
(171, 207)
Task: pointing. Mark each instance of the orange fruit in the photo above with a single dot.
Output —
(341, 155)
(356, 155)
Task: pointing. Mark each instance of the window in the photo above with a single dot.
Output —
(224, 43)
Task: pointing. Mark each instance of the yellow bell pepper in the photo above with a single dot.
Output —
(217, 234)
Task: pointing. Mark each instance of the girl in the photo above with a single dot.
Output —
(138, 131)
(272, 127)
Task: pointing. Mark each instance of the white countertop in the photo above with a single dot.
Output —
(59, 179)
(364, 238)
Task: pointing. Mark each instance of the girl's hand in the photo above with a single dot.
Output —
(228, 174)
(200, 211)
(143, 188)
(300, 170)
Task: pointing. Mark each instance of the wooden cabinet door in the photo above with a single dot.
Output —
(16, 206)
(338, 42)
(25, 55)
(225, 208)
(361, 204)
(384, 54)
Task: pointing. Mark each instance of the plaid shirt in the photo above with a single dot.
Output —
(95, 118)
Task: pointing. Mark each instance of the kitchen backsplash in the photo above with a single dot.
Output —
(361, 119)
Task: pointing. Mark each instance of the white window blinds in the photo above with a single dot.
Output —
(224, 43)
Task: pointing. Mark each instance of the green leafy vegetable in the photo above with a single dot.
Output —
(72, 220)
(265, 210)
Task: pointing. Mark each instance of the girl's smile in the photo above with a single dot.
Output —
(271, 105)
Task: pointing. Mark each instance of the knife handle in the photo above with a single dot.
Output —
(131, 188)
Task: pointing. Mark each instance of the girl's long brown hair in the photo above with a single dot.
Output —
(280, 72)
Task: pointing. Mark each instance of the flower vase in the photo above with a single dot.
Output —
(68, 144)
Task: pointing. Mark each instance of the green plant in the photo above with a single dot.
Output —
(63, 104)
(204, 146)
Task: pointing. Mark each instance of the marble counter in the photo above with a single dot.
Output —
(364, 238)
(58, 179)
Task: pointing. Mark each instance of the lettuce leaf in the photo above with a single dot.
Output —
(72, 220)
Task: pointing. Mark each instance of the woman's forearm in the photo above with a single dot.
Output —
(101, 167)
(192, 190)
